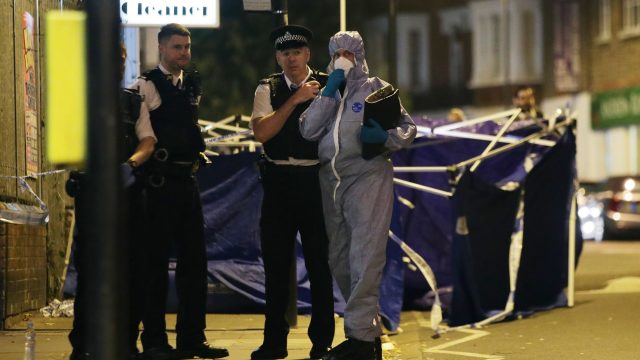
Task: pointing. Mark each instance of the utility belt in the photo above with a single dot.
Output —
(163, 167)
(268, 166)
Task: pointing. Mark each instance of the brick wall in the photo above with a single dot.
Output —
(3, 270)
(24, 250)
(614, 62)
(23, 259)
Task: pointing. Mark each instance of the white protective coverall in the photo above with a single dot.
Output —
(357, 194)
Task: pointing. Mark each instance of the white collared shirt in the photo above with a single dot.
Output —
(143, 124)
(262, 98)
(149, 91)
(152, 101)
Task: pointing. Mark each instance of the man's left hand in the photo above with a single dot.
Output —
(373, 133)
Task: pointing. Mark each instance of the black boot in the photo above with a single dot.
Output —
(378, 348)
(165, 352)
(79, 355)
(352, 349)
(202, 350)
(266, 352)
(318, 352)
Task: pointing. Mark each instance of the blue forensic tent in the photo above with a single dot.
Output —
(466, 239)
(231, 196)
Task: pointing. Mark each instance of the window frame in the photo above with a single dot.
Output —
(604, 21)
(630, 26)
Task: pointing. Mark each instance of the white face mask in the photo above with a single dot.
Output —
(344, 64)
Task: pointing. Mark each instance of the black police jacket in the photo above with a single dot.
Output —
(175, 121)
(288, 142)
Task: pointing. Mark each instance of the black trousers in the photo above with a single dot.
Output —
(137, 241)
(292, 203)
(175, 213)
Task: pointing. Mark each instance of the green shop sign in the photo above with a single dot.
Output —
(616, 108)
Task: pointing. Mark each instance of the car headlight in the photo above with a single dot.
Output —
(587, 227)
(583, 212)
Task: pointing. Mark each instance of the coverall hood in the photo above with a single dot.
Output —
(352, 41)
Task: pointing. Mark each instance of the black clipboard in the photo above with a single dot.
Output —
(383, 105)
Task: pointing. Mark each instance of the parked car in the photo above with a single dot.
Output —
(590, 212)
(620, 197)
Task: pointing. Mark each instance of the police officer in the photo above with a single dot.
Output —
(139, 142)
(524, 98)
(172, 96)
(292, 200)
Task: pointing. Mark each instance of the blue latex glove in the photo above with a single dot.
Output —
(373, 133)
(333, 83)
(128, 178)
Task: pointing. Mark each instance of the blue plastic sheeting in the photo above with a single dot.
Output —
(476, 264)
(428, 227)
(232, 198)
(481, 279)
(232, 195)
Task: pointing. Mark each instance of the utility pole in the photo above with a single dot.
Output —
(393, 50)
(506, 25)
(106, 292)
(281, 12)
(343, 15)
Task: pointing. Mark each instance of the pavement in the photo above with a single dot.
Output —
(603, 324)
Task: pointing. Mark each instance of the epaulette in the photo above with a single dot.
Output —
(272, 80)
(319, 73)
(269, 78)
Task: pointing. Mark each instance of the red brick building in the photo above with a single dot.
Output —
(31, 256)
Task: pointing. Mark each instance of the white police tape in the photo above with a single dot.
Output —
(16, 213)
(245, 133)
(425, 270)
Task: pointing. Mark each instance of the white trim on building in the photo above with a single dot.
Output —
(604, 21)
(522, 42)
(413, 60)
(412, 44)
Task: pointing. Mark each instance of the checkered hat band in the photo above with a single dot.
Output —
(289, 37)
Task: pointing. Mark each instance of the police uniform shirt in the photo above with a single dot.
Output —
(149, 91)
(152, 98)
(262, 98)
(262, 107)
(143, 123)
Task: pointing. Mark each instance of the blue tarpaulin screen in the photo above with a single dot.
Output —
(232, 194)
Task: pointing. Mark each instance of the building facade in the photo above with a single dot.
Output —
(31, 256)
(578, 55)
(614, 80)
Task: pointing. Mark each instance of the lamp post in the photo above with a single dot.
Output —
(281, 12)
(343, 15)
(506, 24)
(392, 51)
(106, 294)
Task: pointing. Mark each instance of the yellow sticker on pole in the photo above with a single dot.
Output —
(66, 62)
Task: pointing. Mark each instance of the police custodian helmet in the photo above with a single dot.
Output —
(290, 37)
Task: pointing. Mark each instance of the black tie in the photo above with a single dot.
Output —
(179, 83)
(293, 87)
